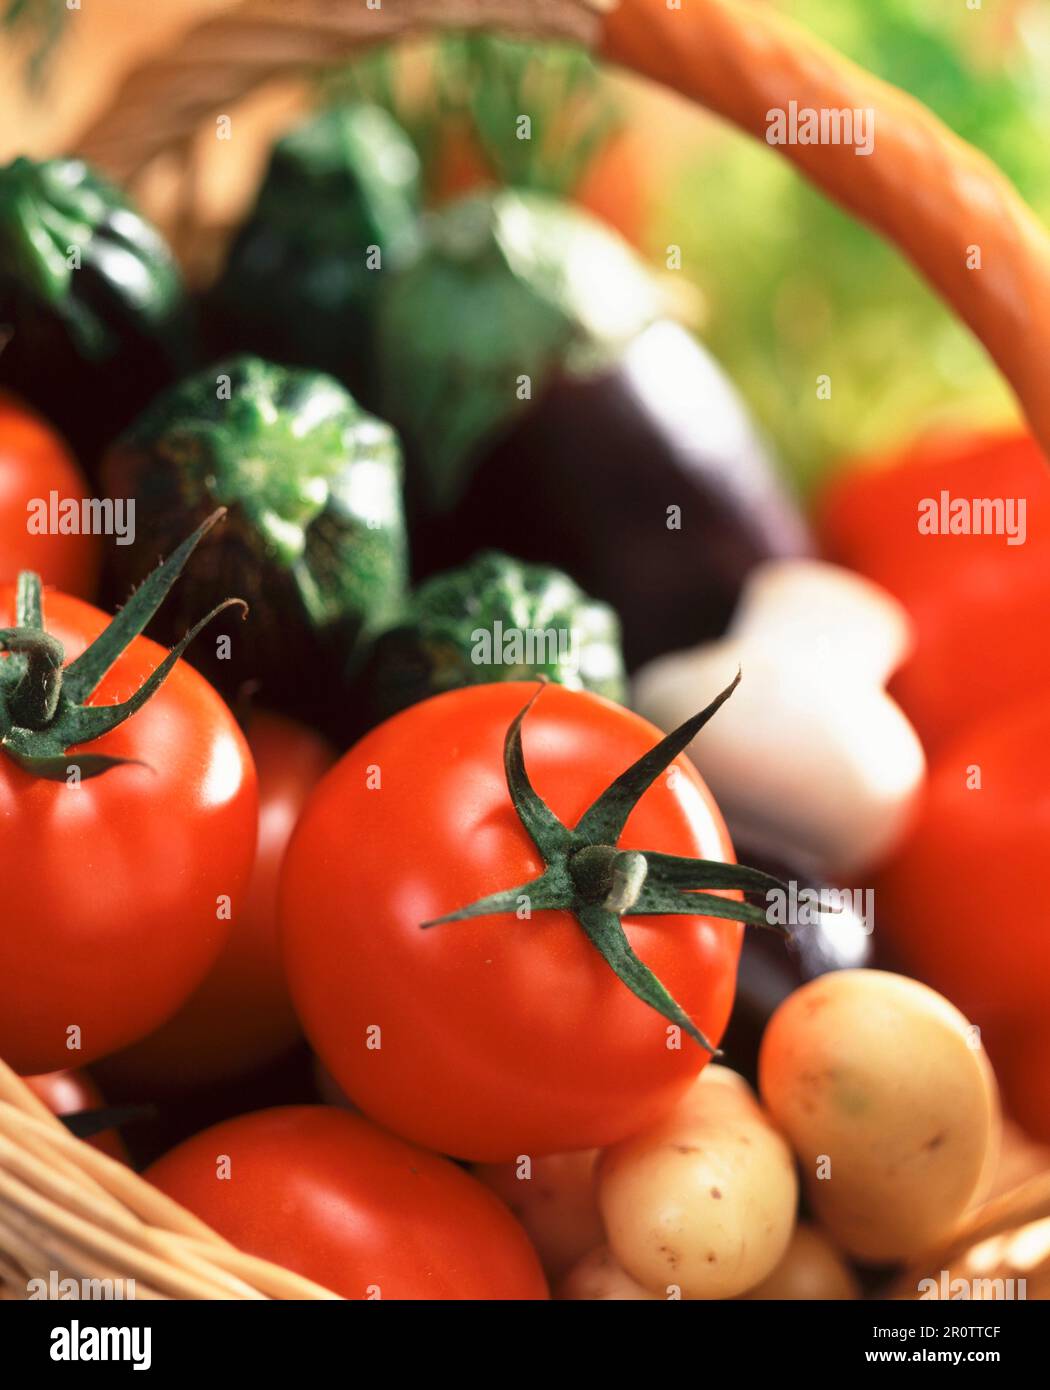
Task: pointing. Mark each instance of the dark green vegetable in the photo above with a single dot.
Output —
(92, 305)
(338, 207)
(314, 539)
(495, 619)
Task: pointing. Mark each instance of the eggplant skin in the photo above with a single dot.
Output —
(90, 344)
(509, 289)
(586, 479)
(297, 286)
(494, 619)
(313, 540)
(772, 968)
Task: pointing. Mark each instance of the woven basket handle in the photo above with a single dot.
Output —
(928, 192)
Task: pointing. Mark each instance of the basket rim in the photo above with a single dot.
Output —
(68, 1208)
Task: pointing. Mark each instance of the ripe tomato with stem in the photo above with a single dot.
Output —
(484, 979)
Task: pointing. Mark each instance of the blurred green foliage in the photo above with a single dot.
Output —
(479, 84)
(796, 288)
(40, 23)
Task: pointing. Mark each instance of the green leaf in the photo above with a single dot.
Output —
(546, 830)
(679, 872)
(83, 723)
(83, 675)
(604, 821)
(41, 717)
(655, 901)
(606, 933)
(544, 893)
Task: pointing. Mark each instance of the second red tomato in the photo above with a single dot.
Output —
(357, 1211)
(241, 1016)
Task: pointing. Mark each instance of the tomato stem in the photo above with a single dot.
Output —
(29, 601)
(612, 877)
(43, 709)
(587, 875)
(34, 697)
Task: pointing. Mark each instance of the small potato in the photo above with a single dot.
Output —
(714, 1075)
(554, 1198)
(890, 1107)
(598, 1277)
(703, 1204)
(812, 1270)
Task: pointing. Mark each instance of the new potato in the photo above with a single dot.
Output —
(812, 1270)
(598, 1278)
(703, 1202)
(889, 1101)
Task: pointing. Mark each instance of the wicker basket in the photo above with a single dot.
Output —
(66, 1207)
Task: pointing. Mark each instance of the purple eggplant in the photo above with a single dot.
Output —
(627, 458)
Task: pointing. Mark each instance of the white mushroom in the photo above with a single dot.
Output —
(811, 761)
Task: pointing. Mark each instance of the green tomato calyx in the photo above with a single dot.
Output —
(587, 875)
(43, 709)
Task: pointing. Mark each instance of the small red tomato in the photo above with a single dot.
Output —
(335, 1199)
(241, 1016)
(69, 1093)
(556, 1201)
(975, 599)
(34, 462)
(114, 884)
(1020, 1051)
(508, 1033)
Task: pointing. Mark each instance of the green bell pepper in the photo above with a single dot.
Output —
(337, 208)
(495, 619)
(314, 538)
(92, 304)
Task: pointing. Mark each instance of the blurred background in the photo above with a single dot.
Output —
(762, 291)
(862, 782)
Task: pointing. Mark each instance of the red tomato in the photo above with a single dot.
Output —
(975, 599)
(1021, 1053)
(331, 1197)
(497, 1036)
(556, 1201)
(34, 462)
(112, 887)
(241, 1016)
(68, 1093)
(961, 905)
